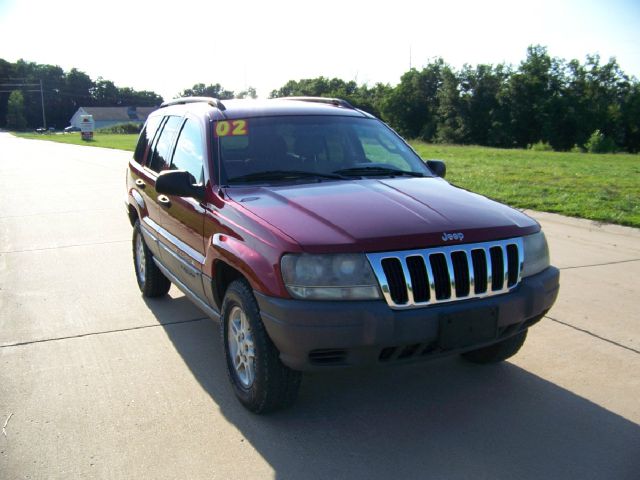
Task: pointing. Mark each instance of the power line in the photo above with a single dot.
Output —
(21, 85)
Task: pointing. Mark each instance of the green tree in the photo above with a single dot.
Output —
(631, 118)
(452, 122)
(411, 107)
(130, 97)
(16, 119)
(78, 87)
(362, 97)
(52, 78)
(527, 94)
(599, 143)
(65, 92)
(202, 90)
(105, 93)
(6, 72)
(309, 87)
(480, 87)
(250, 92)
(606, 85)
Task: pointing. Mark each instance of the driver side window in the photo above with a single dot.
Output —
(189, 152)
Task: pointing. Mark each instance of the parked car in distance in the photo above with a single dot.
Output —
(321, 240)
(71, 129)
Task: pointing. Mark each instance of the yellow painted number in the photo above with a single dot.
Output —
(222, 129)
(233, 128)
(239, 127)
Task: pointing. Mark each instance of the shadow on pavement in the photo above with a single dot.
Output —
(443, 419)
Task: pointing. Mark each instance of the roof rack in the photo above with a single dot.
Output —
(214, 102)
(338, 102)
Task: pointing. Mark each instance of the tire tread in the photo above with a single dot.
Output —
(155, 284)
(279, 387)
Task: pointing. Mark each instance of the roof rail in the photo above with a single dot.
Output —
(214, 102)
(338, 102)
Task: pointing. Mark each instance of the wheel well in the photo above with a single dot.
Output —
(133, 214)
(225, 274)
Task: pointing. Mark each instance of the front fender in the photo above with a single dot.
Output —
(261, 267)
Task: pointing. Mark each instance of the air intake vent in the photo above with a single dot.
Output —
(328, 356)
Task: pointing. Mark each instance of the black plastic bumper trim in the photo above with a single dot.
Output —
(364, 329)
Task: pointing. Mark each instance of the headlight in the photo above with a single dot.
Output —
(329, 277)
(536, 254)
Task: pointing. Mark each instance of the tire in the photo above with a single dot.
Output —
(259, 379)
(498, 352)
(151, 280)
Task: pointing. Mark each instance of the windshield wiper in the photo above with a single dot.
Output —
(358, 171)
(284, 175)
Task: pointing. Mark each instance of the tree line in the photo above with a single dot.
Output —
(544, 102)
(63, 93)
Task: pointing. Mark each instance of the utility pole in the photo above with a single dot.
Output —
(44, 119)
(20, 84)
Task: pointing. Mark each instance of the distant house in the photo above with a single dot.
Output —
(108, 116)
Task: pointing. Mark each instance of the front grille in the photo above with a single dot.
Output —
(416, 278)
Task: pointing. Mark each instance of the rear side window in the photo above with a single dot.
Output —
(189, 153)
(146, 136)
(162, 152)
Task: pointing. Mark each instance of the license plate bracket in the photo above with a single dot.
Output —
(463, 329)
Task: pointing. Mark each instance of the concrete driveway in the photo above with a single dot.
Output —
(96, 382)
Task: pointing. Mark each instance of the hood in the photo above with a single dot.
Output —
(381, 214)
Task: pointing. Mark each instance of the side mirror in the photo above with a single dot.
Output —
(438, 167)
(179, 183)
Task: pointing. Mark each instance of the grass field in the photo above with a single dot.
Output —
(118, 141)
(598, 187)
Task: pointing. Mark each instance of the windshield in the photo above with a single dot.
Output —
(311, 148)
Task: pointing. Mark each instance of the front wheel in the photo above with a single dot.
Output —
(497, 352)
(259, 379)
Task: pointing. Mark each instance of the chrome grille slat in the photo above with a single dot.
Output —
(472, 274)
(432, 280)
(407, 280)
(405, 289)
(452, 277)
(505, 270)
(520, 262)
(487, 257)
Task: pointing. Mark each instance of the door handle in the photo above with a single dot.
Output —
(140, 183)
(164, 201)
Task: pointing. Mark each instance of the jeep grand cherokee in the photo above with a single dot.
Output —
(321, 240)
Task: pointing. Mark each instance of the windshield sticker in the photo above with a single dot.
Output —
(233, 128)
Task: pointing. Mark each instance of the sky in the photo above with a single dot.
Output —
(169, 46)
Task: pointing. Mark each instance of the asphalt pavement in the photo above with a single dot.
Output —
(97, 382)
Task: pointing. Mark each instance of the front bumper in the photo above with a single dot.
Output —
(315, 335)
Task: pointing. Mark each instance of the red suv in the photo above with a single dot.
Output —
(321, 240)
